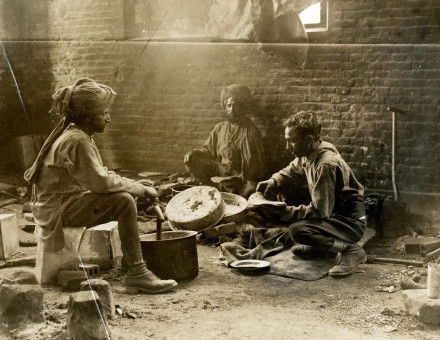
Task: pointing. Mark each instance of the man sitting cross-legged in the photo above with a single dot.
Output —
(334, 219)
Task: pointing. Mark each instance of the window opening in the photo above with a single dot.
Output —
(315, 17)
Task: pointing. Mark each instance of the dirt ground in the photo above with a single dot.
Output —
(222, 303)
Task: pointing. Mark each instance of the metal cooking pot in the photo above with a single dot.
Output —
(172, 257)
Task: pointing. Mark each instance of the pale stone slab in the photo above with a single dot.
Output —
(101, 245)
(421, 306)
(9, 242)
(49, 263)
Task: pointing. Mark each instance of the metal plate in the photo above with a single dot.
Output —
(250, 264)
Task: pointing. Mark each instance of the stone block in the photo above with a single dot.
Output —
(49, 263)
(84, 320)
(20, 276)
(419, 305)
(101, 245)
(8, 235)
(102, 287)
(20, 303)
(70, 280)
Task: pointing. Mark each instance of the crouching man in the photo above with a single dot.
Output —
(334, 220)
(72, 188)
(233, 152)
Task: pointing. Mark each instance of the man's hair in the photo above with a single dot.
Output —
(305, 122)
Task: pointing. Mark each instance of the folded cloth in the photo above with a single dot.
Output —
(274, 245)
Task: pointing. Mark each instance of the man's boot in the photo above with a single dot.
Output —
(309, 252)
(140, 279)
(351, 256)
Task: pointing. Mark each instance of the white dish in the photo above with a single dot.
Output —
(250, 264)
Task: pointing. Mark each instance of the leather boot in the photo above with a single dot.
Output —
(140, 279)
(309, 252)
(351, 255)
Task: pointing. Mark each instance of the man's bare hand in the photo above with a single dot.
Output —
(266, 187)
(150, 191)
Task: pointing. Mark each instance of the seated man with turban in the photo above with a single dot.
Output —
(232, 157)
(72, 188)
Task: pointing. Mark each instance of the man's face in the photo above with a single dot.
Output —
(234, 109)
(100, 118)
(297, 144)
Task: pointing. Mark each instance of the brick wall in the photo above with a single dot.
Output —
(169, 100)
(379, 21)
(169, 92)
(62, 19)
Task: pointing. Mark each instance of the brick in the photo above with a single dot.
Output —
(102, 287)
(20, 303)
(70, 280)
(418, 304)
(83, 318)
(90, 269)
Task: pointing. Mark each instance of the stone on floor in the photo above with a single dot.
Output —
(20, 276)
(20, 303)
(421, 306)
(84, 322)
(70, 280)
(102, 287)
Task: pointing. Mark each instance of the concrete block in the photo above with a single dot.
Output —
(419, 305)
(421, 245)
(20, 276)
(21, 303)
(84, 320)
(101, 245)
(70, 280)
(49, 263)
(102, 287)
(8, 235)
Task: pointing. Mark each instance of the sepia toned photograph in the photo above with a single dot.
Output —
(219, 169)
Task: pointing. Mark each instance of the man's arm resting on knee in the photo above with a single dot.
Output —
(323, 197)
(84, 164)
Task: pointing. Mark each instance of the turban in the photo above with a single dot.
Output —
(71, 102)
(239, 92)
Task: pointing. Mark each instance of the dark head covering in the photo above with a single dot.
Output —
(239, 92)
(71, 102)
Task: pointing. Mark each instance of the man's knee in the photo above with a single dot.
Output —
(124, 200)
(299, 232)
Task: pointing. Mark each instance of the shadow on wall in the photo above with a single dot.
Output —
(26, 80)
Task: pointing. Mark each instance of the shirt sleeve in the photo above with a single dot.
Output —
(253, 159)
(83, 163)
(290, 173)
(323, 197)
(211, 142)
